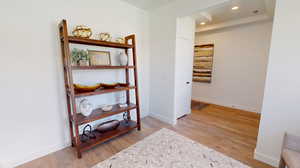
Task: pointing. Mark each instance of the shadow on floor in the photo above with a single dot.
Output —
(195, 105)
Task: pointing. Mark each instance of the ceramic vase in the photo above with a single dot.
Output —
(123, 59)
(86, 108)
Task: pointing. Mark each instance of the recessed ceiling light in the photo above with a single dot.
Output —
(235, 8)
(202, 23)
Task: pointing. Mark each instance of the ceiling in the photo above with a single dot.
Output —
(220, 13)
(148, 4)
(247, 8)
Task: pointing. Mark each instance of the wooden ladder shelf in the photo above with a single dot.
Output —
(77, 119)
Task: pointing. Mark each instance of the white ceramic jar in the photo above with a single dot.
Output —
(85, 107)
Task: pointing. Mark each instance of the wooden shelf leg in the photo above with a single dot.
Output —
(132, 38)
(138, 122)
(63, 31)
(73, 142)
(127, 82)
(79, 155)
(65, 55)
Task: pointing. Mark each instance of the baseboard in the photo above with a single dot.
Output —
(233, 106)
(229, 107)
(265, 158)
(163, 118)
(40, 153)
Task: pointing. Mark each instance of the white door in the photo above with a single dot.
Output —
(184, 66)
(183, 81)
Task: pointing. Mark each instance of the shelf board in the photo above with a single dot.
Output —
(98, 113)
(85, 41)
(103, 91)
(100, 67)
(102, 137)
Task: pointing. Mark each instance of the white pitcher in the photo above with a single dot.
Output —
(123, 58)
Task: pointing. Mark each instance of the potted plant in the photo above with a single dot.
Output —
(80, 57)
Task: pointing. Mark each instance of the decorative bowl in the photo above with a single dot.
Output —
(105, 37)
(84, 88)
(120, 40)
(107, 108)
(109, 86)
(108, 126)
(82, 31)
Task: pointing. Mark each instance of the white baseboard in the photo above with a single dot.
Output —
(230, 105)
(40, 153)
(162, 118)
(266, 159)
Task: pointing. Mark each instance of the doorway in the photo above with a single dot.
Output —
(240, 35)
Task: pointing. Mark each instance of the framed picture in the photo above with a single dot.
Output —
(203, 63)
(99, 57)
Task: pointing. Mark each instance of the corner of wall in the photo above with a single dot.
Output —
(265, 158)
(163, 118)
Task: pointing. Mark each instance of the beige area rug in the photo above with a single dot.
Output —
(167, 149)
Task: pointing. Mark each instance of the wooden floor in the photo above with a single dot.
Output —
(232, 132)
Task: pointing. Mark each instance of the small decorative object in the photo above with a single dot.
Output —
(108, 126)
(123, 58)
(120, 40)
(123, 105)
(85, 107)
(87, 134)
(84, 88)
(126, 117)
(107, 108)
(84, 63)
(109, 86)
(82, 31)
(105, 37)
(99, 57)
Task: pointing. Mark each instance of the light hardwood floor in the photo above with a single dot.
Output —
(232, 132)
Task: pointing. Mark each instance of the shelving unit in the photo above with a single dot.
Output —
(77, 119)
(101, 67)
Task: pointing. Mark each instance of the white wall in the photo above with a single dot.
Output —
(239, 67)
(33, 111)
(163, 46)
(281, 107)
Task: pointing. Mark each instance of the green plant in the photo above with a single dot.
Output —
(78, 54)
